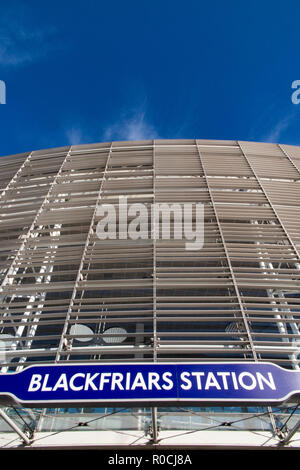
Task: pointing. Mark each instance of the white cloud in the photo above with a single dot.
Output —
(130, 126)
(134, 127)
(75, 136)
(278, 129)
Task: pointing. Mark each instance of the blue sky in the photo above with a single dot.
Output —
(90, 71)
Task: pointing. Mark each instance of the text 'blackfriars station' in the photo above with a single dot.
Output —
(151, 383)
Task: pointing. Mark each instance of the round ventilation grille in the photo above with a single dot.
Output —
(119, 335)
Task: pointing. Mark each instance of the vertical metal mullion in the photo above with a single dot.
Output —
(12, 182)
(13, 268)
(270, 203)
(155, 345)
(237, 293)
(289, 158)
(45, 272)
(22, 248)
(71, 304)
(153, 228)
(15, 177)
(282, 227)
(292, 324)
(29, 232)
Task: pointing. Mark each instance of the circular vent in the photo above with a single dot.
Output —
(119, 335)
(81, 332)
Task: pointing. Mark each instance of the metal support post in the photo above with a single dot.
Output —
(154, 425)
(290, 434)
(10, 422)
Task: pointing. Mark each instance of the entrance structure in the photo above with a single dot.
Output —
(69, 297)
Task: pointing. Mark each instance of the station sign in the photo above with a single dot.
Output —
(152, 384)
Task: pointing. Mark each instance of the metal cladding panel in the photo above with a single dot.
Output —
(66, 295)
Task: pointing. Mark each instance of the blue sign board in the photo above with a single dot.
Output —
(150, 384)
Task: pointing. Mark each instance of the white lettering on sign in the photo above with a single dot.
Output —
(244, 380)
(101, 381)
(198, 380)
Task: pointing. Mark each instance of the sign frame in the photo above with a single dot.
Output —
(182, 393)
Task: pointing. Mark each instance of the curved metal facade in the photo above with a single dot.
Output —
(235, 299)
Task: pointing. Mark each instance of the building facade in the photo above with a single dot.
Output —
(68, 296)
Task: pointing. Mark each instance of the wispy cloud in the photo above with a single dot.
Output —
(279, 128)
(75, 136)
(130, 127)
(21, 40)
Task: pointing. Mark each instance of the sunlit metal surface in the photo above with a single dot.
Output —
(236, 299)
